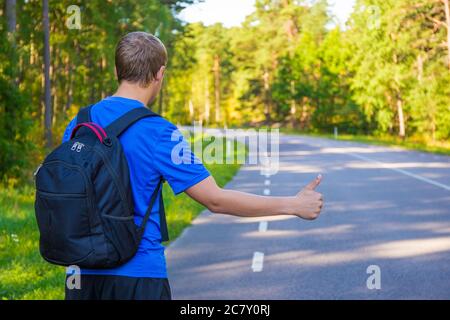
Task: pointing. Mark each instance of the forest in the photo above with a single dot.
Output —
(386, 72)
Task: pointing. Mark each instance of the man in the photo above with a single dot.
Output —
(141, 60)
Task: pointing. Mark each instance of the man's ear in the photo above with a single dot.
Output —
(160, 74)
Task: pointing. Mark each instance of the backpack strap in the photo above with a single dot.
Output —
(118, 127)
(84, 115)
(162, 213)
(128, 119)
(162, 218)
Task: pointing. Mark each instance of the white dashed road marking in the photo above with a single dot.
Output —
(258, 262)
(258, 257)
(263, 226)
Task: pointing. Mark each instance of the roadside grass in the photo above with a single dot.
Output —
(410, 143)
(25, 275)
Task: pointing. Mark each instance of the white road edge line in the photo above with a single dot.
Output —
(258, 261)
(406, 173)
(263, 226)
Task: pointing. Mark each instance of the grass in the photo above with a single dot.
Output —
(25, 275)
(411, 143)
(181, 209)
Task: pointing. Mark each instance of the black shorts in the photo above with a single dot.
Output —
(100, 287)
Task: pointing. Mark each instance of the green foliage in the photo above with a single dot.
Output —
(82, 67)
(14, 115)
(14, 123)
(385, 73)
(289, 66)
(401, 59)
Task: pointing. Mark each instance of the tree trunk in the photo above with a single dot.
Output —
(304, 116)
(266, 77)
(11, 16)
(101, 83)
(217, 87)
(207, 102)
(293, 106)
(401, 118)
(54, 73)
(47, 87)
(447, 19)
(191, 111)
(398, 96)
(69, 86)
(433, 128)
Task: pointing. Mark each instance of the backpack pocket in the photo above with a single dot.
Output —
(123, 236)
(63, 220)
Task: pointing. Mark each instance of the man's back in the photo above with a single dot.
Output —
(148, 147)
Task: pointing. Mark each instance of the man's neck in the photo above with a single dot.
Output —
(135, 92)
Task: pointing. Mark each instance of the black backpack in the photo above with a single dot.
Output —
(84, 204)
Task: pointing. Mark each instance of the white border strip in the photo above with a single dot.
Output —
(406, 173)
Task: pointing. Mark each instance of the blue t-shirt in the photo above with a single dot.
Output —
(148, 147)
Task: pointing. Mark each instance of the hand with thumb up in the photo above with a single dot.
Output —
(310, 202)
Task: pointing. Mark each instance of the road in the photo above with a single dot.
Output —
(384, 206)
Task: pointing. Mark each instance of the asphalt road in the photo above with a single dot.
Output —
(383, 206)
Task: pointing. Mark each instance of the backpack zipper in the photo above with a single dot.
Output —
(63, 195)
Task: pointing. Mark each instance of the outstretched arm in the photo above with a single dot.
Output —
(307, 204)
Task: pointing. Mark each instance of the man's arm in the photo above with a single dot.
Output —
(306, 204)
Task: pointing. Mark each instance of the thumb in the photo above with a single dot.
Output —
(315, 183)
